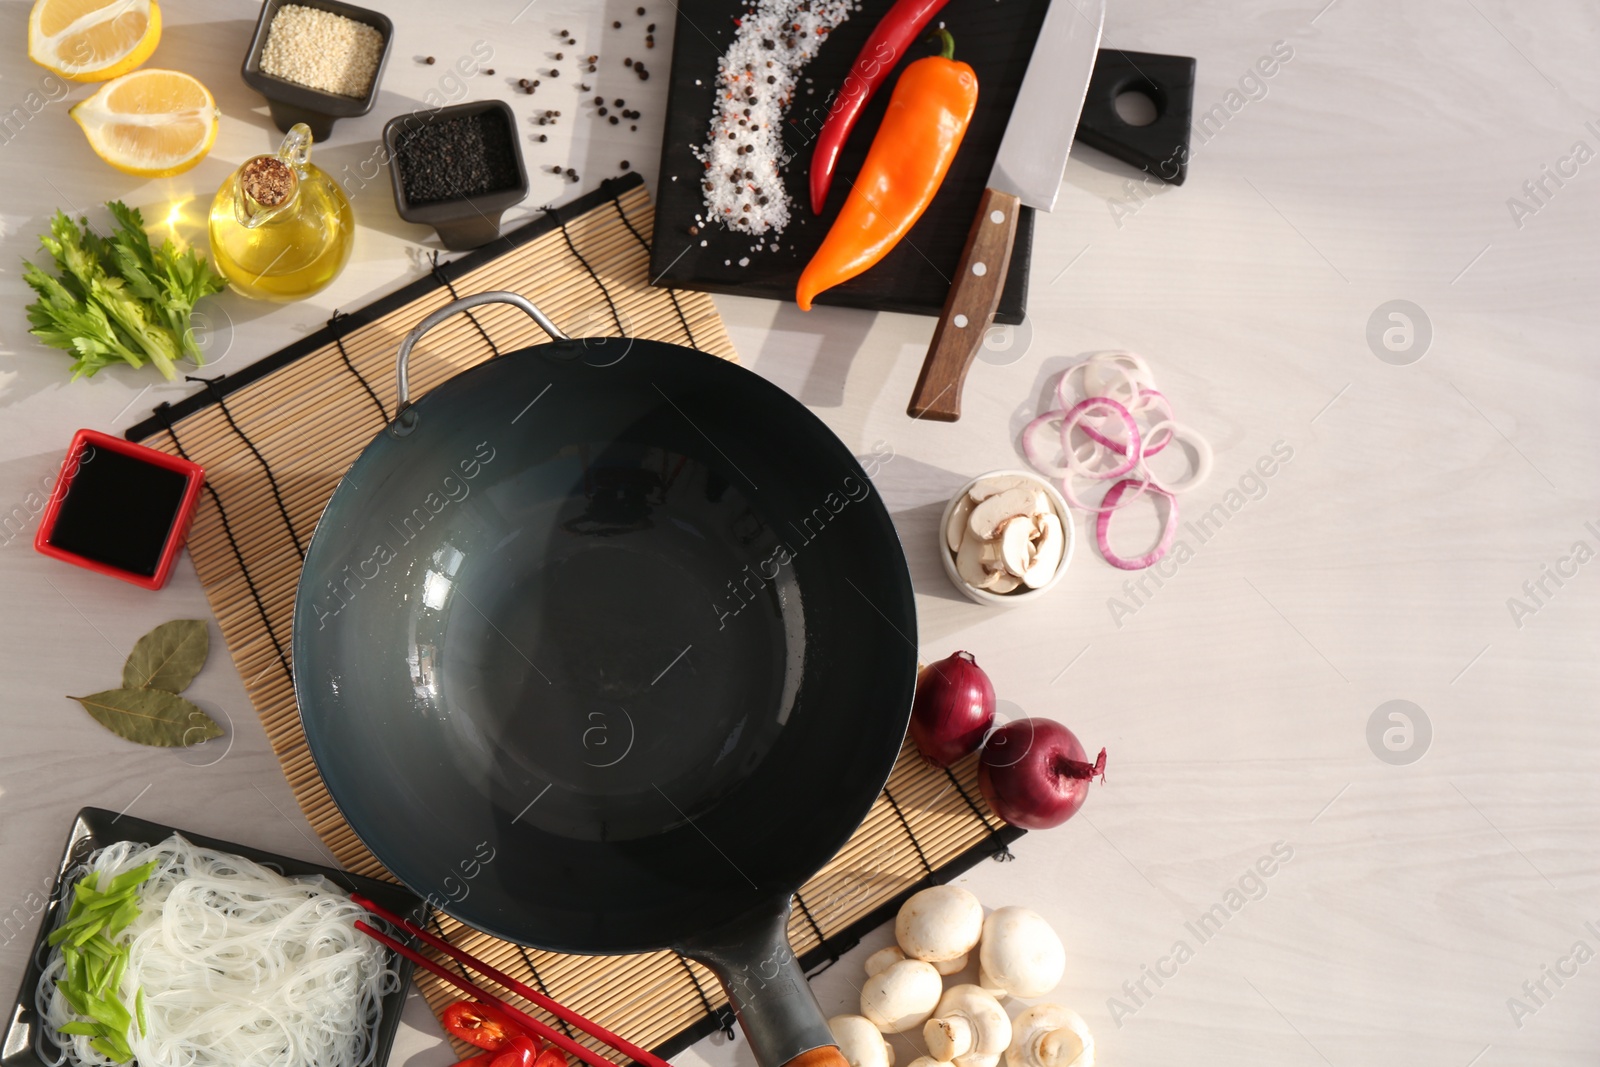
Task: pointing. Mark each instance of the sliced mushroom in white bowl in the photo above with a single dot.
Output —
(1007, 537)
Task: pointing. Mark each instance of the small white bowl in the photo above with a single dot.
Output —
(1022, 593)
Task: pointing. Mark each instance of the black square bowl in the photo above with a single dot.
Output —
(26, 1045)
(464, 222)
(291, 102)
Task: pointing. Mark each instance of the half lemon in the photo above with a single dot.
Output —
(151, 123)
(93, 40)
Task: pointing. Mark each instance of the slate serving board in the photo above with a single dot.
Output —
(25, 1044)
(995, 36)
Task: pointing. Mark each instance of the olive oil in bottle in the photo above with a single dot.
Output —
(281, 229)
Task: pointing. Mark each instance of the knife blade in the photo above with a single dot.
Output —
(1027, 171)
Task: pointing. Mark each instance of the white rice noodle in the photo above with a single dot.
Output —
(240, 966)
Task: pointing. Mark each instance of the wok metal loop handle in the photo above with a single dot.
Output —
(402, 361)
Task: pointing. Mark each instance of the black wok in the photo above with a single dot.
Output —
(606, 646)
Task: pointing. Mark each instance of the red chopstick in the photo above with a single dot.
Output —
(533, 1025)
(560, 1011)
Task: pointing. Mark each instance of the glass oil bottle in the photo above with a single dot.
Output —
(281, 229)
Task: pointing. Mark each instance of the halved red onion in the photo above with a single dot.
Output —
(1102, 526)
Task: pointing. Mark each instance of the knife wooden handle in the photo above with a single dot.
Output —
(968, 310)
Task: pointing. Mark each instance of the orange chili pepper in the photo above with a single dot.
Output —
(921, 131)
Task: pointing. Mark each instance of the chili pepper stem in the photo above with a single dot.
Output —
(947, 43)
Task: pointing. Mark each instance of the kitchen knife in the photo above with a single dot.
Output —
(1027, 170)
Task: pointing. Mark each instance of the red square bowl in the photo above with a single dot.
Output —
(120, 509)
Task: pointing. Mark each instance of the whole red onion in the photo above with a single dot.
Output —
(953, 709)
(1035, 774)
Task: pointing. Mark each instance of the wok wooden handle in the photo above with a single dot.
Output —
(826, 1056)
(968, 310)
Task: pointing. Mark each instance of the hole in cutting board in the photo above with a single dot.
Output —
(1136, 107)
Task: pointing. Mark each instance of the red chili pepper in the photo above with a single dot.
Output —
(520, 1051)
(479, 1024)
(482, 1059)
(551, 1057)
(898, 29)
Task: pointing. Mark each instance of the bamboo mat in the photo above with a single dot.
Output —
(276, 437)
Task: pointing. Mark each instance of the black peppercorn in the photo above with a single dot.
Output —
(536, 83)
(634, 128)
(602, 111)
(627, 62)
(624, 164)
(616, 25)
(644, 75)
(430, 61)
(650, 28)
(619, 101)
(613, 120)
(555, 74)
(490, 71)
(560, 55)
(544, 137)
(649, 42)
(641, 11)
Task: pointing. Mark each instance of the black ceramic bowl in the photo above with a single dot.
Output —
(292, 103)
(462, 222)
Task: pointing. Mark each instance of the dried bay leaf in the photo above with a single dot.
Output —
(168, 657)
(151, 717)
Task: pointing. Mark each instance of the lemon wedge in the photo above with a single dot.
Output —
(93, 40)
(151, 123)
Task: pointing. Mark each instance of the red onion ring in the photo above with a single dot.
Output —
(1102, 527)
(1147, 398)
(1202, 451)
(1034, 453)
(1133, 451)
(1129, 383)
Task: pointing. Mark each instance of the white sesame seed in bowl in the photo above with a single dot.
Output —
(322, 50)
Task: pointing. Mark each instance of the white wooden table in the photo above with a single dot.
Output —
(1415, 906)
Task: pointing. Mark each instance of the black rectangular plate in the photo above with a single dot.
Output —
(995, 36)
(96, 828)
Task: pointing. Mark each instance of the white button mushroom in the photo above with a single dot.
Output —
(939, 924)
(860, 1042)
(901, 996)
(1048, 1035)
(987, 516)
(957, 527)
(1016, 544)
(883, 959)
(1019, 954)
(969, 1028)
(985, 488)
(1052, 545)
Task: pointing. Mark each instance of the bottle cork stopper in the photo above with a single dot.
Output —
(267, 180)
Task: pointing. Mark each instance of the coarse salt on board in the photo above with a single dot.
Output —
(755, 84)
